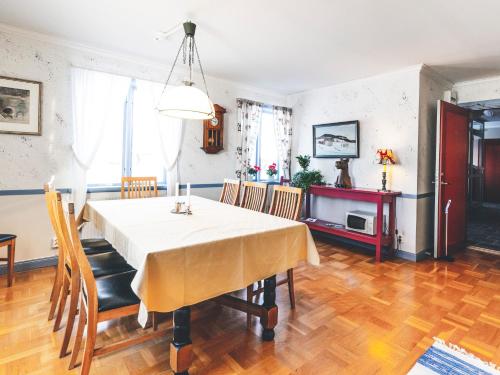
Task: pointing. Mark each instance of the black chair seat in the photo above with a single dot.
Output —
(7, 237)
(96, 246)
(106, 264)
(115, 291)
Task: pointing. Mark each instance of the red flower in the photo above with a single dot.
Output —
(256, 167)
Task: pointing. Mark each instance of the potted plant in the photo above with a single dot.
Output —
(272, 170)
(305, 178)
(252, 171)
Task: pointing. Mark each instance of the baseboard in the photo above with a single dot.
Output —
(370, 249)
(27, 265)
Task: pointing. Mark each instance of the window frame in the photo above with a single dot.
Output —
(127, 147)
(268, 109)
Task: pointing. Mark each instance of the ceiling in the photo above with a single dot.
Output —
(284, 45)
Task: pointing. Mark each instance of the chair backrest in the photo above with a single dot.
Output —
(139, 187)
(49, 201)
(89, 284)
(230, 192)
(62, 233)
(254, 196)
(286, 202)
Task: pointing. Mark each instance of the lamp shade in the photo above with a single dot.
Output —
(187, 102)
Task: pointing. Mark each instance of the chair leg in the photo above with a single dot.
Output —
(57, 283)
(249, 299)
(79, 335)
(291, 289)
(11, 250)
(55, 299)
(62, 303)
(88, 353)
(73, 306)
(155, 320)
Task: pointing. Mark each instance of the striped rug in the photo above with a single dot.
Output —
(443, 359)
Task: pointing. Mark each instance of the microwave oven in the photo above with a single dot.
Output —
(361, 221)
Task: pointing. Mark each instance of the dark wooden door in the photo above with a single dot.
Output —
(492, 170)
(451, 176)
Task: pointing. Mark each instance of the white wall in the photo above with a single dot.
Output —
(387, 107)
(478, 90)
(432, 88)
(27, 162)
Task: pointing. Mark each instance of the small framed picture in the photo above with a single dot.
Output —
(20, 106)
(336, 140)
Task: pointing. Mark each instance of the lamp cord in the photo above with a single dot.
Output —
(201, 68)
(172, 69)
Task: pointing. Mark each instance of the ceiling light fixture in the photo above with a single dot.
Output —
(186, 101)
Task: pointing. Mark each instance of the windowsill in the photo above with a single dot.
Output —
(266, 181)
(113, 188)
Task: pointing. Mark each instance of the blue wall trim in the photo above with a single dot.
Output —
(102, 189)
(30, 191)
(30, 265)
(418, 196)
(116, 188)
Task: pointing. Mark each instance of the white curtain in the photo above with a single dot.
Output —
(248, 125)
(170, 136)
(98, 99)
(282, 119)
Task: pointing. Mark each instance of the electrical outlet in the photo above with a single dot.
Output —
(53, 243)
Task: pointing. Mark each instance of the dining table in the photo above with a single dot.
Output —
(183, 259)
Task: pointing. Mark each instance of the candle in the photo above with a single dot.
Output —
(176, 191)
(188, 194)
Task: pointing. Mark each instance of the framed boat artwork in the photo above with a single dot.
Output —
(336, 140)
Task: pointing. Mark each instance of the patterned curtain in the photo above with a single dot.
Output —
(249, 118)
(282, 118)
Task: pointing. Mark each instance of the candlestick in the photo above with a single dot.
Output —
(176, 192)
(188, 194)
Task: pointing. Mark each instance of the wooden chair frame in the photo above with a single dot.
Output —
(58, 281)
(254, 196)
(230, 192)
(286, 202)
(89, 315)
(11, 251)
(139, 187)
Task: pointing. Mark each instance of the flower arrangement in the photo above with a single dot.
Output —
(252, 171)
(272, 170)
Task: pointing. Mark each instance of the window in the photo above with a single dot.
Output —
(266, 152)
(130, 145)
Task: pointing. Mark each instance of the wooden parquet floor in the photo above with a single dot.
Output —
(352, 317)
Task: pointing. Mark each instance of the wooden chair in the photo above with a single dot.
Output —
(91, 246)
(102, 264)
(102, 299)
(284, 181)
(139, 187)
(230, 192)
(286, 203)
(254, 196)
(9, 240)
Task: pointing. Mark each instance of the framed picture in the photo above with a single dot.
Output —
(336, 140)
(20, 106)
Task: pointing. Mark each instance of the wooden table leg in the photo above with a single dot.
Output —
(270, 319)
(380, 231)
(11, 251)
(181, 354)
(392, 224)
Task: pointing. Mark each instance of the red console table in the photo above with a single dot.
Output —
(365, 195)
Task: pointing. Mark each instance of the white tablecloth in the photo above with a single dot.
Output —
(182, 260)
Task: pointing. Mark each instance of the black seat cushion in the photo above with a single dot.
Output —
(108, 264)
(7, 237)
(115, 291)
(96, 246)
